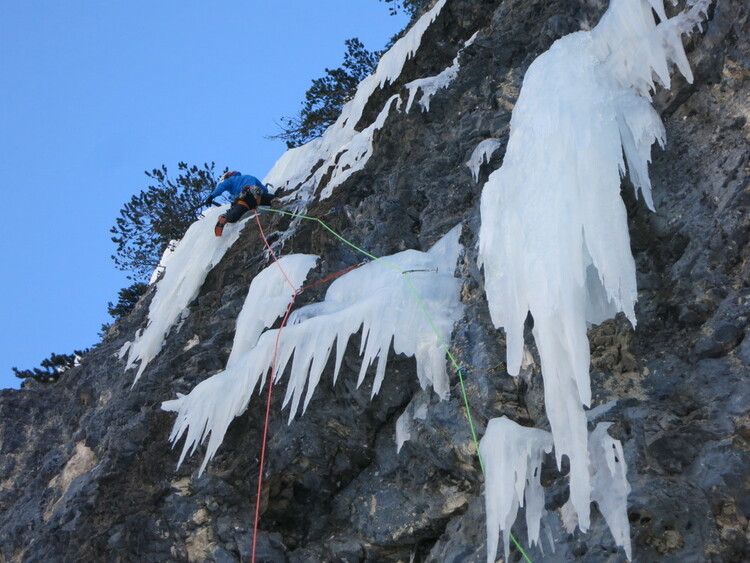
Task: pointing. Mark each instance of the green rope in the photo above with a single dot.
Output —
(334, 233)
(422, 307)
(455, 364)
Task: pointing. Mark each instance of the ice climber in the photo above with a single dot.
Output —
(248, 193)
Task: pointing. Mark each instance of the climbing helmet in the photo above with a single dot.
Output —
(227, 175)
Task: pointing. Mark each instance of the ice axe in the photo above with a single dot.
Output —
(200, 206)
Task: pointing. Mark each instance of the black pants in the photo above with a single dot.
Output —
(244, 203)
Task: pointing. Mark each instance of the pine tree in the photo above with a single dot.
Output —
(127, 299)
(159, 215)
(414, 8)
(327, 95)
(53, 366)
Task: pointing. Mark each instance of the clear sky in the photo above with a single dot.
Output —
(93, 93)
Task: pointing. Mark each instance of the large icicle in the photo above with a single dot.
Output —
(389, 299)
(268, 297)
(554, 238)
(513, 456)
(214, 402)
(186, 269)
(609, 483)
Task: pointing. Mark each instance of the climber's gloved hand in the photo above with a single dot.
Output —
(209, 201)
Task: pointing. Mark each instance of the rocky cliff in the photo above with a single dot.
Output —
(87, 470)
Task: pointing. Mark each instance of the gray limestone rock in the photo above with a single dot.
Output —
(88, 473)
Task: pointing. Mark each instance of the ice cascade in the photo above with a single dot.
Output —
(554, 238)
(268, 297)
(342, 145)
(432, 84)
(213, 403)
(185, 269)
(409, 300)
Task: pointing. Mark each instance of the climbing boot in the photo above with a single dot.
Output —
(219, 228)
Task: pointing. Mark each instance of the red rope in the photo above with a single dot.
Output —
(265, 425)
(273, 371)
(270, 388)
(273, 254)
(329, 278)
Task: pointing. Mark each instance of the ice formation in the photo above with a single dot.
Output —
(609, 483)
(342, 144)
(432, 84)
(186, 268)
(513, 457)
(268, 297)
(481, 154)
(554, 239)
(409, 300)
(162, 267)
(214, 402)
(416, 410)
(355, 153)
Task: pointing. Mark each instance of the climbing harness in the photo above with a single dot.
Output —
(459, 369)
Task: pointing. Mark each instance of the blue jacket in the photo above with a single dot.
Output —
(236, 183)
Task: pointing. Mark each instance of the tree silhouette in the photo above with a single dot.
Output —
(414, 8)
(53, 366)
(159, 215)
(327, 95)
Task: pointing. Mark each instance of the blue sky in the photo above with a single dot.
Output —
(93, 93)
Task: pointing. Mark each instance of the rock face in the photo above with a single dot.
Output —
(87, 471)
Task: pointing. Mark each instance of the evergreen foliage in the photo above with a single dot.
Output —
(127, 298)
(327, 95)
(159, 215)
(53, 366)
(414, 8)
